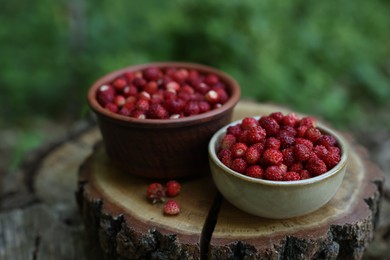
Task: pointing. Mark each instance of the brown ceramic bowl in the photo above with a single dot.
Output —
(162, 148)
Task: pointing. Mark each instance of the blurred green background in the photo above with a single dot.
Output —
(326, 58)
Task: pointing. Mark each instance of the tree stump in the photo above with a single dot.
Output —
(123, 224)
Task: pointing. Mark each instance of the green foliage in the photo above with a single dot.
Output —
(329, 58)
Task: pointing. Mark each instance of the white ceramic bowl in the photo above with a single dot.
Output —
(276, 199)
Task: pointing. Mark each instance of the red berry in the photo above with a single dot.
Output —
(120, 83)
(272, 157)
(139, 114)
(227, 141)
(239, 165)
(112, 107)
(270, 125)
(174, 105)
(211, 79)
(272, 143)
(249, 123)
(291, 130)
(142, 105)
(212, 97)
(105, 95)
(234, 130)
(191, 108)
(130, 91)
(327, 140)
(313, 134)
(124, 111)
(288, 156)
(238, 150)
(243, 136)
(252, 155)
(290, 119)
(278, 116)
(304, 174)
(301, 130)
(139, 82)
(226, 157)
(180, 75)
(308, 121)
(151, 74)
(296, 167)
(332, 158)
(316, 166)
(171, 208)
(223, 95)
(204, 106)
(254, 171)
(172, 86)
(155, 192)
(291, 176)
(255, 134)
(285, 138)
(301, 152)
(119, 100)
(320, 151)
(304, 141)
(173, 188)
(157, 111)
(151, 87)
(274, 173)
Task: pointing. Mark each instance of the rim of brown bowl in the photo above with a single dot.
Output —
(231, 83)
(336, 169)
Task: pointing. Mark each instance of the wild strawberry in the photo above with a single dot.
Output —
(254, 171)
(255, 134)
(332, 159)
(259, 147)
(157, 111)
(172, 188)
(204, 106)
(211, 79)
(320, 151)
(304, 174)
(155, 192)
(120, 83)
(291, 176)
(124, 111)
(308, 121)
(272, 157)
(304, 141)
(327, 140)
(171, 208)
(288, 156)
(142, 105)
(290, 119)
(248, 123)
(173, 86)
(139, 82)
(112, 107)
(191, 108)
(313, 134)
(180, 75)
(225, 156)
(272, 143)
(239, 165)
(223, 95)
(212, 97)
(252, 155)
(273, 173)
(270, 125)
(227, 141)
(285, 138)
(301, 130)
(174, 105)
(130, 91)
(151, 87)
(152, 74)
(291, 130)
(238, 150)
(187, 89)
(278, 116)
(243, 136)
(234, 130)
(144, 95)
(119, 100)
(301, 152)
(105, 95)
(316, 166)
(296, 167)
(139, 114)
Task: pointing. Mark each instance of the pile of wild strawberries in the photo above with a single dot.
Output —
(278, 147)
(157, 193)
(168, 93)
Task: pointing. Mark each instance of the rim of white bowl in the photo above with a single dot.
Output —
(340, 141)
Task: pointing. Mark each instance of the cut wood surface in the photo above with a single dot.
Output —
(122, 223)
